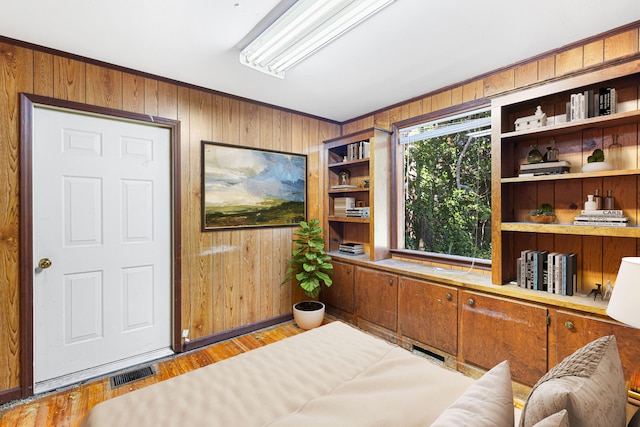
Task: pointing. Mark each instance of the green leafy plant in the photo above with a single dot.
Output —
(309, 264)
(596, 156)
(544, 209)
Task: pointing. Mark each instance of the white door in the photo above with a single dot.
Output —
(102, 220)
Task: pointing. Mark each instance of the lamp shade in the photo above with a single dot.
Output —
(624, 305)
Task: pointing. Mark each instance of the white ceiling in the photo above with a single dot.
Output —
(410, 48)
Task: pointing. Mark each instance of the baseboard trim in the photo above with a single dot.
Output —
(10, 394)
(232, 333)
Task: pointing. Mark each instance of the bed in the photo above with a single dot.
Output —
(337, 375)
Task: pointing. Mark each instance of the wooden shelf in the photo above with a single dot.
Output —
(346, 219)
(348, 190)
(349, 163)
(617, 119)
(577, 175)
(576, 230)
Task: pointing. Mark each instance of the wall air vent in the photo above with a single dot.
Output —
(131, 376)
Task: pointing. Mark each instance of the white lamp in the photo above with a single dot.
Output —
(624, 305)
(304, 28)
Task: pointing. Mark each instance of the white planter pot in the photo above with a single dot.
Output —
(308, 314)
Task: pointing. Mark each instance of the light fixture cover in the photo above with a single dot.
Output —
(625, 298)
(304, 28)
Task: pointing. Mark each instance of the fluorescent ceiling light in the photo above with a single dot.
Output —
(304, 28)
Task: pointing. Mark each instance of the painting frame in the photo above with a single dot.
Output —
(250, 187)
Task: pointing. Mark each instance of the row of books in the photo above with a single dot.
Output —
(601, 218)
(358, 150)
(363, 212)
(553, 272)
(351, 248)
(592, 104)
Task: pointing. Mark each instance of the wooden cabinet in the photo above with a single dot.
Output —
(599, 248)
(428, 313)
(362, 174)
(376, 297)
(493, 329)
(340, 294)
(570, 331)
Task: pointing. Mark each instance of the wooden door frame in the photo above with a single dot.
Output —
(28, 103)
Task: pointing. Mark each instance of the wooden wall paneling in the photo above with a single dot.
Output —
(499, 82)
(470, 92)
(593, 53)
(251, 262)
(526, 74)
(189, 223)
(456, 95)
(200, 122)
(231, 249)
(42, 73)
(569, 60)
(266, 277)
(16, 75)
(133, 95)
(546, 68)
(440, 100)
(218, 240)
(104, 87)
(69, 81)
(151, 93)
(285, 135)
(591, 263)
(621, 44)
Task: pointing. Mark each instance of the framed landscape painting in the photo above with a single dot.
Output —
(249, 187)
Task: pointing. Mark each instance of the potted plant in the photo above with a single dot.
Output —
(544, 214)
(310, 267)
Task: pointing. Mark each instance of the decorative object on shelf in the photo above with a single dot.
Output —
(552, 154)
(310, 267)
(609, 201)
(596, 291)
(545, 168)
(534, 155)
(538, 119)
(623, 305)
(590, 204)
(596, 163)
(597, 198)
(343, 177)
(366, 183)
(607, 290)
(614, 153)
(544, 214)
(250, 187)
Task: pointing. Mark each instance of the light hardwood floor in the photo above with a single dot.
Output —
(69, 407)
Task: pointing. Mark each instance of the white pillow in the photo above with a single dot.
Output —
(488, 402)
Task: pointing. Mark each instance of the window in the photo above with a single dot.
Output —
(447, 186)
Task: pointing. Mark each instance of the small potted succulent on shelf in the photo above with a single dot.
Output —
(544, 214)
(310, 268)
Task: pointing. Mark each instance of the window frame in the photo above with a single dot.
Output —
(397, 193)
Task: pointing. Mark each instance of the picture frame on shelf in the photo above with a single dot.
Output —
(251, 187)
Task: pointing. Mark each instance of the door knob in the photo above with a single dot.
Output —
(44, 263)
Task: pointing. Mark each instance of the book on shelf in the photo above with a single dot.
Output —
(603, 212)
(551, 272)
(544, 168)
(341, 204)
(358, 150)
(351, 248)
(363, 212)
(601, 223)
(343, 187)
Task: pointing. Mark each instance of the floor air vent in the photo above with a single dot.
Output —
(131, 376)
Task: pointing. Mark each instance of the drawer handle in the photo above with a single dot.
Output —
(471, 301)
(568, 324)
(348, 270)
(390, 282)
(448, 296)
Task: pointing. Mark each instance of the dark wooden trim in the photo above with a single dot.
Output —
(356, 133)
(10, 394)
(27, 103)
(232, 333)
(627, 27)
(44, 49)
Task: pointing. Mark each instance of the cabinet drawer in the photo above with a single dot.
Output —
(377, 297)
(340, 293)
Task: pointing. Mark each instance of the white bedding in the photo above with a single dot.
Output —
(334, 375)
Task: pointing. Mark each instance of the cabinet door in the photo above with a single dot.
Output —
(428, 313)
(377, 297)
(340, 293)
(494, 329)
(568, 332)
